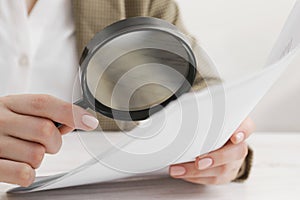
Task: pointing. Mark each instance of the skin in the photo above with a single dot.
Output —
(30, 5)
(27, 132)
(226, 161)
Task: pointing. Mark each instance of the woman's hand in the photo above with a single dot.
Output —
(27, 132)
(220, 166)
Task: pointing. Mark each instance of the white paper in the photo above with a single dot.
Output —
(289, 38)
(191, 126)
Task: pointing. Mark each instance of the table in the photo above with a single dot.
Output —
(275, 175)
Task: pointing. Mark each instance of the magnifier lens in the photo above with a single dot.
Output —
(138, 70)
(134, 67)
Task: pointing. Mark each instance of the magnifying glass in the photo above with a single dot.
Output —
(135, 67)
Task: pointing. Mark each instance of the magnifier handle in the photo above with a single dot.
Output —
(58, 125)
(81, 103)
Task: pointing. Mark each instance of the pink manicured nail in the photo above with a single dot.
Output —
(204, 163)
(177, 171)
(239, 137)
(90, 121)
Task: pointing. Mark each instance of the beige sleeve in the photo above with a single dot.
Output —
(207, 74)
(244, 171)
(168, 10)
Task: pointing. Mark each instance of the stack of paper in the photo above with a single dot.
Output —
(195, 124)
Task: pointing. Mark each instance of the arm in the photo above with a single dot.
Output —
(238, 156)
(27, 132)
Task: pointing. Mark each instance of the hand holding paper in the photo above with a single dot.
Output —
(28, 132)
(195, 124)
(220, 166)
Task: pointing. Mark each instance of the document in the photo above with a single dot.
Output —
(193, 125)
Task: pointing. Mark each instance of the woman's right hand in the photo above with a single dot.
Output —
(27, 132)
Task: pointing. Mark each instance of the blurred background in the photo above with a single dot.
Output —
(239, 35)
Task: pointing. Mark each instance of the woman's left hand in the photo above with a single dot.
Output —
(220, 166)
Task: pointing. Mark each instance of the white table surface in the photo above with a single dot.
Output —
(275, 175)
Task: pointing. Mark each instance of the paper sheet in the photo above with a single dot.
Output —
(195, 124)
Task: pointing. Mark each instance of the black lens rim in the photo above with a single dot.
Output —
(123, 27)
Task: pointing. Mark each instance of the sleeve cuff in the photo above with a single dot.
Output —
(244, 171)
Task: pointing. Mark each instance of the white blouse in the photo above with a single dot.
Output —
(38, 52)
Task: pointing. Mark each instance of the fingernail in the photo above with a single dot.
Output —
(177, 171)
(90, 121)
(204, 163)
(239, 137)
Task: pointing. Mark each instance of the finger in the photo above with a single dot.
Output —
(225, 174)
(243, 132)
(22, 151)
(33, 129)
(65, 129)
(229, 153)
(189, 170)
(16, 173)
(52, 108)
